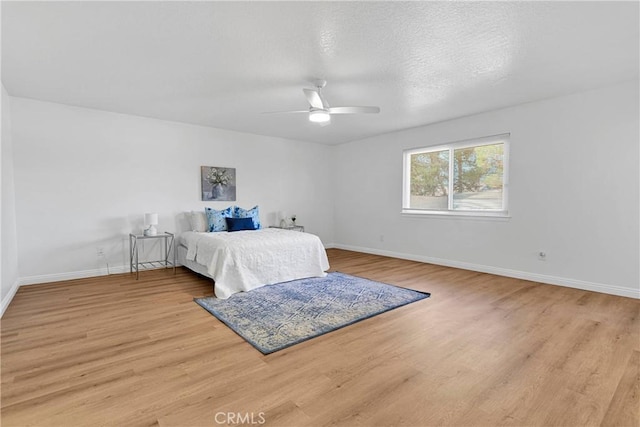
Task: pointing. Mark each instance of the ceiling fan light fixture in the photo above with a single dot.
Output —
(319, 116)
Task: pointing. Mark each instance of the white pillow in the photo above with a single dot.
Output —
(198, 220)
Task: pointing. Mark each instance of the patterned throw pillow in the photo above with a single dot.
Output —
(253, 213)
(216, 219)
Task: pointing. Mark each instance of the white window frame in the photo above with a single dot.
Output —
(475, 142)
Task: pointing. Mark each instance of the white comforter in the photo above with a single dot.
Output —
(245, 260)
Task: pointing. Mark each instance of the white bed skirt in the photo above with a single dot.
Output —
(191, 265)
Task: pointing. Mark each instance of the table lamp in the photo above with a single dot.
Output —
(150, 221)
(284, 222)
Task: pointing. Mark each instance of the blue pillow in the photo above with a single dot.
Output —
(253, 213)
(239, 224)
(216, 219)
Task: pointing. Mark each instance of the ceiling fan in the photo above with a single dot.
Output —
(319, 110)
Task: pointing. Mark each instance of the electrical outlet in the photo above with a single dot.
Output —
(100, 252)
(542, 256)
(382, 237)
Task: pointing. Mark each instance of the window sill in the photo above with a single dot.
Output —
(490, 216)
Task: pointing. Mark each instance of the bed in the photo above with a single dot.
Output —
(245, 260)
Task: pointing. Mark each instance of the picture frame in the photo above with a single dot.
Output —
(218, 183)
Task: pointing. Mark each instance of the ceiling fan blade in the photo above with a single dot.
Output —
(314, 98)
(285, 112)
(353, 110)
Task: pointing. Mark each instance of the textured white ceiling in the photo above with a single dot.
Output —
(222, 64)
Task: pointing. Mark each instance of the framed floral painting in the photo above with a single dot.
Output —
(218, 183)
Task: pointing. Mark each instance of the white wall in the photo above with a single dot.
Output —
(574, 193)
(8, 249)
(84, 179)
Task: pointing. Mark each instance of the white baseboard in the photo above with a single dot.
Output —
(534, 277)
(57, 277)
(552, 280)
(9, 297)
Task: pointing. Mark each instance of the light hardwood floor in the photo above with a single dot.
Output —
(483, 350)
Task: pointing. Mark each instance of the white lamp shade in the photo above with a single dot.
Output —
(151, 219)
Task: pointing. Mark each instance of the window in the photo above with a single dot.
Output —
(461, 178)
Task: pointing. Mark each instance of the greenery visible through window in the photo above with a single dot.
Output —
(463, 176)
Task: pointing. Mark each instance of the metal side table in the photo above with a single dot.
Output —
(289, 227)
(165, 262)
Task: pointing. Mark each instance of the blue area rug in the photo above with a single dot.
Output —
(278, 316)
